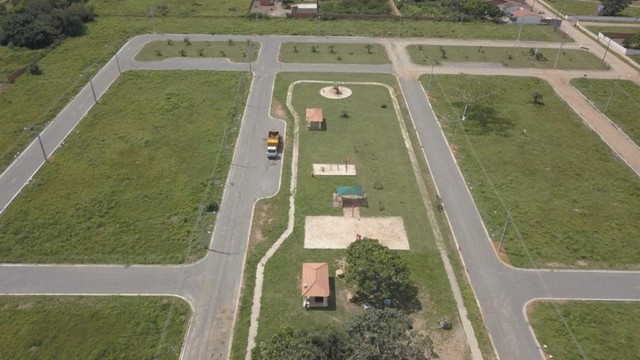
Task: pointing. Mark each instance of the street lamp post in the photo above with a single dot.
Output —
(93, 90)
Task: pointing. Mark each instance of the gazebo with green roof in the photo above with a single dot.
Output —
(346, 196)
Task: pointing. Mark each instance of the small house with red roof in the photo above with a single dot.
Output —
(315, 285)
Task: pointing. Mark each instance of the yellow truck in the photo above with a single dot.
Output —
(273, 144)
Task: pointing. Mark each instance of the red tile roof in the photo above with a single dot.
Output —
(314, 115)
(525, 12)
(315, 279)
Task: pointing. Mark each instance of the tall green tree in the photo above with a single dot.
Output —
(614, 7)
(375, 273)
(311, 344)
(381, 334)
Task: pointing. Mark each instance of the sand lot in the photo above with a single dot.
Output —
(337, 232)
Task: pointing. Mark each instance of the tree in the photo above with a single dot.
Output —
(289, 344)
(479, 9)
(470, 91)
(614, 7)
(632, 42)
(537, 97)
(382, 334)
(375, 273)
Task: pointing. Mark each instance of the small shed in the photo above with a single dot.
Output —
(315, 285)
(315, 119)
(346, 196)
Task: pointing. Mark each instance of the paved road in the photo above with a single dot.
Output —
(212, 284)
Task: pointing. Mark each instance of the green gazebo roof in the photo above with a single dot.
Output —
(355, 191)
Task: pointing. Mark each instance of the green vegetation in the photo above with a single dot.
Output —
(236, 51)
(22, 117)
(92, 327)
(333, 53)
(171, 8)
(374, 273)
(573, 203)
(589, 7)
(506, 57)
(371, 7)
(396, 197)
(624, 106)
(133, 182)
(595, 29)
(12, 59)
(603, 330)
(38, 24)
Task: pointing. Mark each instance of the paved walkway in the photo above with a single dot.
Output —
(212, 285)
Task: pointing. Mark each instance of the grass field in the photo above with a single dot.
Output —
(171, 8)
(588, 7)
(398, 197)
(129, 184)
(236, 51)
(333, 53)
(624, 106)
(506, 57)
(12, 59)
(573, 202)
(98, 327)
(603, 330)
(22, 117)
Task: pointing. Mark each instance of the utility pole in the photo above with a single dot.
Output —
(520, 31)
(93, 91)
(430, 77)
(504, 231)
(558, 56)
(615, 83)
(44, 153)
(118, 63)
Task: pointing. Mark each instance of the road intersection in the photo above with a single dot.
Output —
(212, 285)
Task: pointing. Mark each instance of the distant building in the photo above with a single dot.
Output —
(304, 9)
(267, 2)
(526, 16)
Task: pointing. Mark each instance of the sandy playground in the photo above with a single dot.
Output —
(337, 232)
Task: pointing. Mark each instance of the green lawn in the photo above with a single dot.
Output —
(92, 327)
(281, 303)
(624, 106)
(506, 57)
(22, 118)
(603, 330)
(171, 7)
(573, 202)
(12, 59)
(128, 185)
(333, 53)
(236, 51)
(588, 7)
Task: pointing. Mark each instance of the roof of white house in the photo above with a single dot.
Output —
(315, 279)
(306, 6)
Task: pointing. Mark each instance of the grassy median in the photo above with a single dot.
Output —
(138, 180)
(620, 99)
(506, 57)
(333, 53)
(235, 51)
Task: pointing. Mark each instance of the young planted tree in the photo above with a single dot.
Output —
(537, 98)
(368, 46)
(470, 91)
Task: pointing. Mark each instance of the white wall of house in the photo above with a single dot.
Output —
(529, 19)
(614, 46)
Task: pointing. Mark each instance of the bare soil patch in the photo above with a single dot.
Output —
(501, 254)
(337, 232)
(334, 169)
(260, 218)
(277, 111)
(330, 93)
